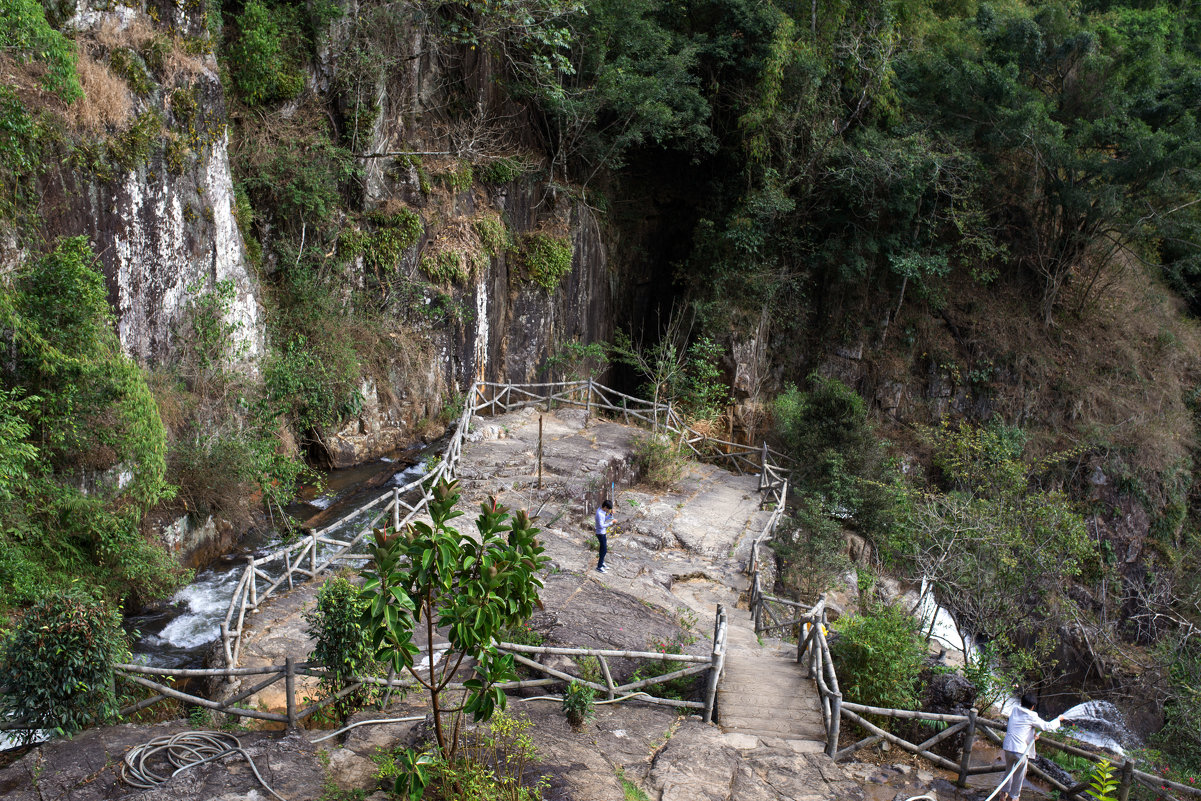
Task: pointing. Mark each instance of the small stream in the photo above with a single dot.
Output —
(181, 632)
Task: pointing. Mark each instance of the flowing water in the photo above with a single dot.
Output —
(940, 623)
(181, 633)
(1098, 723)
(1102, 724)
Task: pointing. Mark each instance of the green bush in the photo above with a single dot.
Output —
(58, 664)
(839, 455)
(261, 71)
(492, 766)
(313, 383)
(546, 259)
(810, 548)
(299, 177)
(879, 655)
(447, 267)
(682, 688)
(25, 33)
(501, 171)
(577, 703)
(342, 645)
(86, 419)
(657, 460)
(460, 177)
(494, 235)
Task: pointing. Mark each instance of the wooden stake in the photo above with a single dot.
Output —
(1127, 781)
(290, 690)
(539, 451)
(968, 740)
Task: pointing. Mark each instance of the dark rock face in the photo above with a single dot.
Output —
(949, 693)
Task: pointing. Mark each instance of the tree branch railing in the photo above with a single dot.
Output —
(310, 556)
(814, 649)
(158, 680)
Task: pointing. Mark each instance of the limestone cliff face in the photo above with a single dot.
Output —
(164, 229)
(166, 232)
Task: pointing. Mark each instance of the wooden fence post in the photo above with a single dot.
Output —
(290, 690)
(835, 721)
(588, 403)
(609, 685)
(396, 508)
(539, 451)
(969, 739)
(1127, 781)
(229, 657)
(715, 660)
(763, 467)
(313, 555)
(254, 593)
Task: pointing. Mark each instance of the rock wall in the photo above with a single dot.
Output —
(165, 230)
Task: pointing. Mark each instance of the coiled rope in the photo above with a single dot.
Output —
(182, 751)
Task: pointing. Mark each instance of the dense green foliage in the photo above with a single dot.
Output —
(58, 664)
(839, 456)
(77, 414)
(26, 35)
(492, 766)
(546, 259)
(578, 704)
(262, 71)
(879, 656)
(341, 643)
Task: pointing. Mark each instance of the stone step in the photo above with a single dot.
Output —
(814, 745)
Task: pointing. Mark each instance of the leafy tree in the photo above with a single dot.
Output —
(17, 454)
(58, 664)
(838, 454)
(341, 644)
(995, 546)
(433, 576)
(1086, 121)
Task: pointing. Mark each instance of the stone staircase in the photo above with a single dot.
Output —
(765, 693)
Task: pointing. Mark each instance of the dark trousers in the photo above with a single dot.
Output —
(604, 548)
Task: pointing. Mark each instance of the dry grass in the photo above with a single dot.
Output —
(138, 34)
(106, 103)
(1110, 378)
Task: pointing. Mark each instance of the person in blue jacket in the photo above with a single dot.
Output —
(604, 521)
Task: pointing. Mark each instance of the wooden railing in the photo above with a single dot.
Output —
(156, 679)
(813, 650)
(304, 560)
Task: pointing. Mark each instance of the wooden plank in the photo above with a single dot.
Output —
(187, 673)
(941, 762)
(675, 674)
(198, 701)
(546, 649)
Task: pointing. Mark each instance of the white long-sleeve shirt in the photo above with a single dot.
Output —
(1019, 734)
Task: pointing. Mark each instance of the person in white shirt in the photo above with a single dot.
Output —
(1019, 744)
(604, 521)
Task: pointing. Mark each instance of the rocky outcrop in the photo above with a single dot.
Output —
(164, 229)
